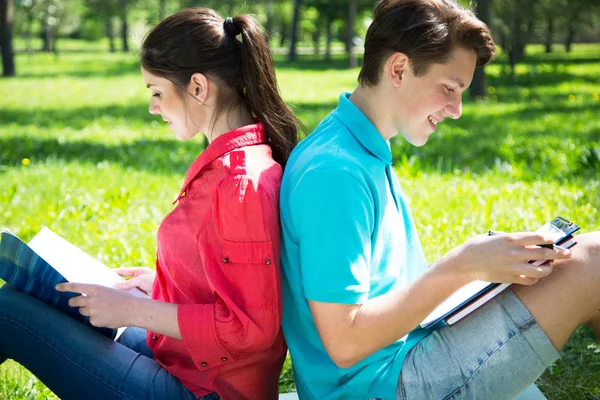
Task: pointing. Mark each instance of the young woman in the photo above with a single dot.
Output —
(211, 328)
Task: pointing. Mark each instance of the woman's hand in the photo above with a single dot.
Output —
(502, 258)
(143, 278)
(106, 307)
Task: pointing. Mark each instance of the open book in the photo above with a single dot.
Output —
(47, 260)
(474, 295)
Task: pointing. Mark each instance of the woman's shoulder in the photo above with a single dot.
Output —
(250, 166)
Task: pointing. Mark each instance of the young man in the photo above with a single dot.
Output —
(355, 281)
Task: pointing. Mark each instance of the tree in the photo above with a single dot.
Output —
(478, 87)
(162, 9)
(104, 10)
(578, 14)
(124, 25)
(352, 10)
(29, 9)
(294, 30)
(6, 16)
(516, 20)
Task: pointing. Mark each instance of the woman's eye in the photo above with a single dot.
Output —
(157, 95)
(449, 89)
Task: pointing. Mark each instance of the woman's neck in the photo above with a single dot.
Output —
(233, 118)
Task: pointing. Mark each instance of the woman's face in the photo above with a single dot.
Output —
(167, 103)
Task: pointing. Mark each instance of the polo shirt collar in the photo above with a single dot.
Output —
(248, 135)
(363, 129)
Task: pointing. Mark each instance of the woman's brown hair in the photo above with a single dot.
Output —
(198, 40)
(427, 31)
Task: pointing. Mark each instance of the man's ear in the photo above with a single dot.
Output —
(396, 66)
(198, 87)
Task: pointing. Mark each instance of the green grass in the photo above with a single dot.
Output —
(80, 153)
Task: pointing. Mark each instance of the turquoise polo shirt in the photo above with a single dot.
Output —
(348, 236)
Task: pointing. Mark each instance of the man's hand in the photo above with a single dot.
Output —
(503, 258)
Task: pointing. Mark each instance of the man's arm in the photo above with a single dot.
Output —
(333, 215)
(352, 332)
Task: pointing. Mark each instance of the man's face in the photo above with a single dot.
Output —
(425, 101)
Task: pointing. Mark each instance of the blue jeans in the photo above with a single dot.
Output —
(495, 353)
(76, 362)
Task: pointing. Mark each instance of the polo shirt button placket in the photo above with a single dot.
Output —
(224, 359)
(204, 363)
(155, 338)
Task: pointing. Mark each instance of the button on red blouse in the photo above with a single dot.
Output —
(218, 259)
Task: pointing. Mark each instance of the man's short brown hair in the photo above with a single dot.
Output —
(427, 31)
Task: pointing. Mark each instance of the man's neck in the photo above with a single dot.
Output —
(369, 101)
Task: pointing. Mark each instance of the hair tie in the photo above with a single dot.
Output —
(231, 28)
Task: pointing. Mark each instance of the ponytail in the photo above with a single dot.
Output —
(199, 40)
(260, 91)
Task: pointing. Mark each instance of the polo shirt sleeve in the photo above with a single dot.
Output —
(333, 215)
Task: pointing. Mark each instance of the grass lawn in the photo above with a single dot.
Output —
(80, 153)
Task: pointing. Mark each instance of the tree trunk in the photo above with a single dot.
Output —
(162, 9)
(46, 35)
(316, 37)
(515, 45)
(29, 32)
(478, 86)
(124, 26)
(269, 22)
(352, 7)
(570, 36)
(524, 40)
(6, 17)
(294, 30)
(110, 33)
(549, 34)
(329, 33)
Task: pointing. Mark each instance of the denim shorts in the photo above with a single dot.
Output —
(495, 353)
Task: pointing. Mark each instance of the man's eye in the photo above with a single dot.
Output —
(449, 89)
(157, 95)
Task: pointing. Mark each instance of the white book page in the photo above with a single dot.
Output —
(456, 299)
(73, 263)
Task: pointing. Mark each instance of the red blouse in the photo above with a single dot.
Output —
(218, 259)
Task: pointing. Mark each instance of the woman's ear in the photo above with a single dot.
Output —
(396, 66)
(198, 87)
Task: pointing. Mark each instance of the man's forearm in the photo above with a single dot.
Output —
(383, 320)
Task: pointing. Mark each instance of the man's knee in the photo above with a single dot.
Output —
(587, 252)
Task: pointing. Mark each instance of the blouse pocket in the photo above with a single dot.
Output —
(250, 270)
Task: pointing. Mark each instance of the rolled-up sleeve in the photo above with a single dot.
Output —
(241, 259)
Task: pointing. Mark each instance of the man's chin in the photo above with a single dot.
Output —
(417, 141)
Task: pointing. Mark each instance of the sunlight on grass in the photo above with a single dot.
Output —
(80, 153)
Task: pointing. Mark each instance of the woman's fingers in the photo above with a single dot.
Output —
(132, 271)
(125, 271)
(129, 284)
